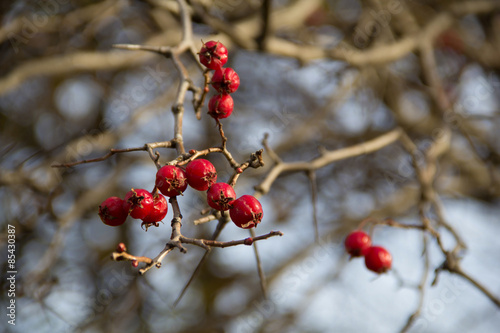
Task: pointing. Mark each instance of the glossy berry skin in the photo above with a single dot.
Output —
(357, 243)
(213, 55)
(201, 174)
(378, 259)
(111, 211)
(220, 196)
(246, 212)
(220, 106)
(159, 211)
(171, 180)
(225, 80)
(138, 203)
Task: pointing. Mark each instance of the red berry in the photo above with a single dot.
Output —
(171, 180)
(357, 243)
(111, 211)
(138, 203)
(246, 212)
(378, 259)
(213, 54)
(220, 196)
(121, 248)
(225, 80)
(201, 174)
(160, 209)
(220, 106)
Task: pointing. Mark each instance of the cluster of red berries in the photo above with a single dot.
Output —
(377, 258)
(225, 80)
(138, 203)
(200, 174)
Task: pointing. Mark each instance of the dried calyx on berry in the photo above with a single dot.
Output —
(246, 212)
(213, 55)
(201, 174)
(220, 196)
(138, 203)
(171, 180)
(225, 80)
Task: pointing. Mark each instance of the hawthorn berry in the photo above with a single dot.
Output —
(171, 180)
(378, 259)
(201, 174)
(220, 196)
(138, 203)
(246, 212)
(225, 80)
(357, 243)
(220, 106)
(213, 55)
(159, 211)
(111, 211)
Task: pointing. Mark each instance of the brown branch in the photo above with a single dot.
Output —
(458, 270)
(119, 256)
(260, 270)
(314, 200)
(329, 157)
(207, 244)
(265, 26)
(421, 287)
(147, 147)
(223, 220)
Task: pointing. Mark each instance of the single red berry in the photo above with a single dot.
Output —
(378, 259)
(111, 212)
(248, 241)
(213, 55)
(160, 209)
(220, 106)
(220, 196)
(225, 80)
(201, 174)
(138, 203)
(135, 263)
(246, 212)
(357, 243)
(171, 180)
(121, 248)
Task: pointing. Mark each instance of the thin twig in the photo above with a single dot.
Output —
(329, 157)
(260, 270)
(314, 200)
